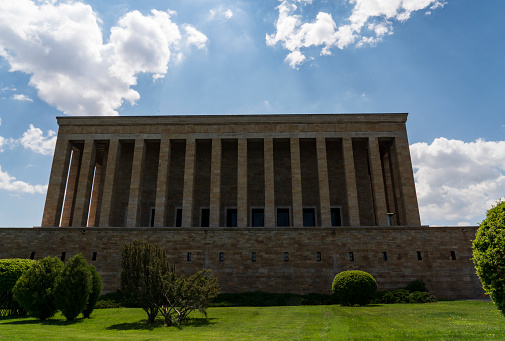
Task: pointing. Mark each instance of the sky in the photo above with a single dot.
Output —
(441, 61)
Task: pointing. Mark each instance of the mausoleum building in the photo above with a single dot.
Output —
(232, 171)
(278, 203)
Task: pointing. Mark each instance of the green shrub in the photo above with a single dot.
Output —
(95, 292)
(34, 290)
(421, 297)
(106, 304)
(354, 287)
(10, 271)
(73, 287)
(416, 285)
(142, 263)
(489, 254)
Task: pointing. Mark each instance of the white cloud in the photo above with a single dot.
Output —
(9, 183)
(21, 97)
(61, 46)
(195, 37)
(35, 140)
(457, 182)
(220, 12)
(369, 22)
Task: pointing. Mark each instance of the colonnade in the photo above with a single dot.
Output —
(235, 181)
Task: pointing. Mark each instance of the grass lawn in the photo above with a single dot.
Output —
(458, 320)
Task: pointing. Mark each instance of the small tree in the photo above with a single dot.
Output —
(34, 290)
(489, 254)
(142, 264)
(182, 294)
(354, 287)
(73, 287)
(95, 292)
(10, 271)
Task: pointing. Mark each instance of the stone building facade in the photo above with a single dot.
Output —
(232, 171)
(279, 203)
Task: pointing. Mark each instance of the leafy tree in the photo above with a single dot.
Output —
(354, 287)
(73, 287)
(95, 292)
(10, 271)
(489, 254)
(34, 290)
(142, 263)
(182, 294)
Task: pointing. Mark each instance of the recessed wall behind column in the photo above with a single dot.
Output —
(336, 177)
(229, 160)
(255, 174)
(201, 194)
(149, 181)
(363, 182)
(122, 187)
(310, 176)
(282, 173)
(175, 179)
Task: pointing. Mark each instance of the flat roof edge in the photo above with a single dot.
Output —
(233, 119)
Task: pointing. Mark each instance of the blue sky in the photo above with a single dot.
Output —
(440, 61)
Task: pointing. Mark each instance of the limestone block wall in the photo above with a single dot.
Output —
(424, 253)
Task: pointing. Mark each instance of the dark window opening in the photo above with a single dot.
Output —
(178, 217)
(221, 256)
(453, 255)
(93, 258)
(32, 255)
(189, 257)
(384, 256)
(63, 254)
(286, 256)
(258, 217)
(336, 219)
(231, 217)
(309, 217)
(351, 256)
(318, 256)
(253, 256)
(151, 219)
(283, 217)
(419, 257)
(205, 217)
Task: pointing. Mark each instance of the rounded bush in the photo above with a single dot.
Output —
(34, 290)
(354, 287)
(489, 254)
(73, 287)
(95, 292)
(10, 271)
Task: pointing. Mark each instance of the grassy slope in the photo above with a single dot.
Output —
(461, 320)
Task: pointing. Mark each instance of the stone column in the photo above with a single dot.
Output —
(160, 209)
(71, 191)
(406, 175)
(82, 199)
(215, 183)
(324, 186)
(268, 150)
(139, 153)
(242, 183)
(109, 184)
(189, 174)
(57, 183)
(379, 195)
(296, 183)
(350, 181)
